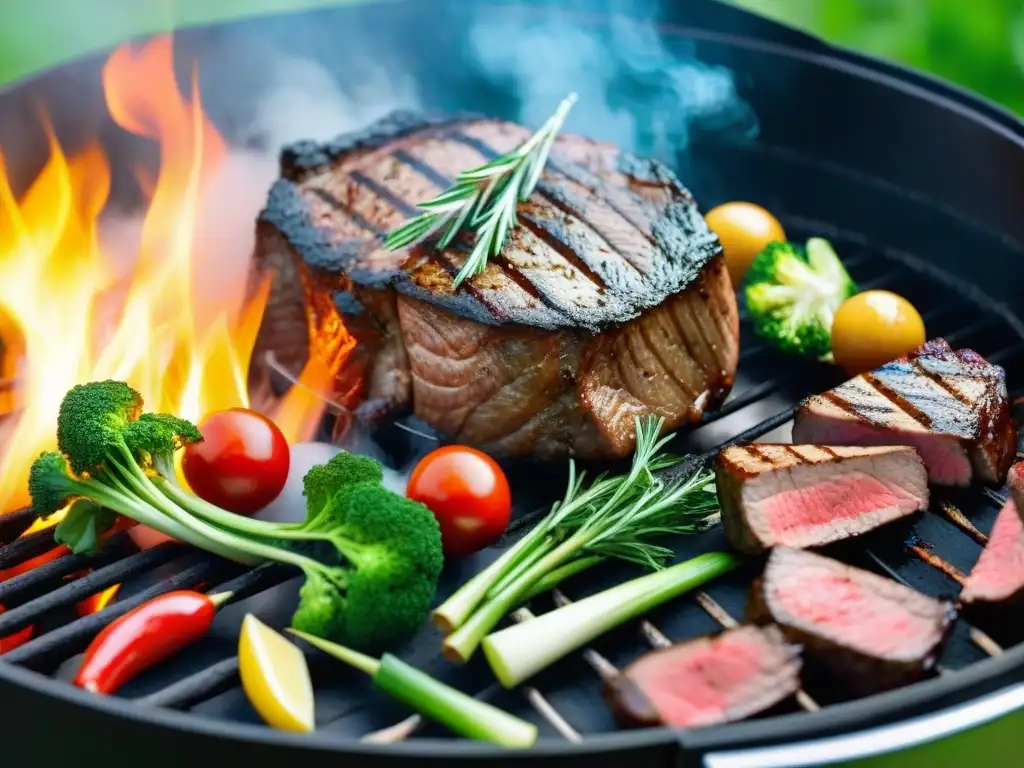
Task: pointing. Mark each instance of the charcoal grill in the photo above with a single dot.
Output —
(917, 184)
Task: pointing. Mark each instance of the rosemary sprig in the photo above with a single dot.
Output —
(483, 200)
(623, 517)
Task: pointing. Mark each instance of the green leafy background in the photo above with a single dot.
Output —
(976, 43)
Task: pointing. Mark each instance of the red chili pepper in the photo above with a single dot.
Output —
(144, 636)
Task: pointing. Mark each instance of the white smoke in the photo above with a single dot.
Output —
(636, 89)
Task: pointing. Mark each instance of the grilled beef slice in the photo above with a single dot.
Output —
(868, 631)
(994, 591)
(811, 495)
(951, 405)
(609, 300)
(706, 681)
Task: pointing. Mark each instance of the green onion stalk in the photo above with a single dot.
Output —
(614, 517)
(449, 706)
(521, 651)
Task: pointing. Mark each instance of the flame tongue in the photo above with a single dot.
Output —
(73, 310)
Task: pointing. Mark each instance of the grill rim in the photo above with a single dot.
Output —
(980, 680)
(983, 679)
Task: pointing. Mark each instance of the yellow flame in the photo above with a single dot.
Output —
(68, 314)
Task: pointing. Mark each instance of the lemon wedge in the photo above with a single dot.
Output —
(275, 677)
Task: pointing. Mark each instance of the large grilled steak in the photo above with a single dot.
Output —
(951, 405)
(710, 680)
(868, 631)
(609, 300)
(811, 495)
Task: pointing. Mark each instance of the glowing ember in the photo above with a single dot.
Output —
(71, 312)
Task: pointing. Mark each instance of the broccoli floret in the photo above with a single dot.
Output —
(376, 556)
(322, 481)
(154, 438)
(392, 560)
(94, 505)
(91, 420)
(50, 485)
(793, 293)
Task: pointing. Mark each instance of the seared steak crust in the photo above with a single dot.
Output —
(951, 405)
(610, 299)
(812, 495)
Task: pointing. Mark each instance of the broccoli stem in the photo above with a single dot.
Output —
(138, 509)
(202, 534)
(221, 517)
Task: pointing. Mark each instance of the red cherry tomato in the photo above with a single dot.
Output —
(468, 494)
(242, 462)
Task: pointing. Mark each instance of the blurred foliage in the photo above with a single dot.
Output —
(978, 44)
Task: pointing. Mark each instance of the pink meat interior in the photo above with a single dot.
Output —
(944, 455)
(834, 604)
(700, 688)
(793, 514)
(999, 572)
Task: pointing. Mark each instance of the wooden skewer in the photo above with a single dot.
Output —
(926, 555)
(959, 519)
(402, 730)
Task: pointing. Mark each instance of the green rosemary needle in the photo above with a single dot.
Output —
(483, 200)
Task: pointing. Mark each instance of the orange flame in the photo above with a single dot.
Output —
(70, 314)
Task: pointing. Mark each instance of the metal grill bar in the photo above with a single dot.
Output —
(72, 638)
(116, 549)
(203, 685)
(13, 524)
(25, 548)
(69, 594)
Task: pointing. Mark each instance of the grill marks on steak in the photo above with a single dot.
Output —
(868, 631)
(811, 495)
(706, 681)
(951, 405)
(611, 299)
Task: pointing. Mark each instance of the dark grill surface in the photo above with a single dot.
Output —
(564, 701)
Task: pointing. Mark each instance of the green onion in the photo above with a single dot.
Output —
(615, 517)
(521, 651)
(461, 713)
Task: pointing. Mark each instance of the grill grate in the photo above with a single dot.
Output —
(760, 407)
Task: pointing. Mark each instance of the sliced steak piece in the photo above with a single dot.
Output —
(868, 631)
(811, 495)
(994, 591)
(609, 300)
(710, 680)
(951, 405)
